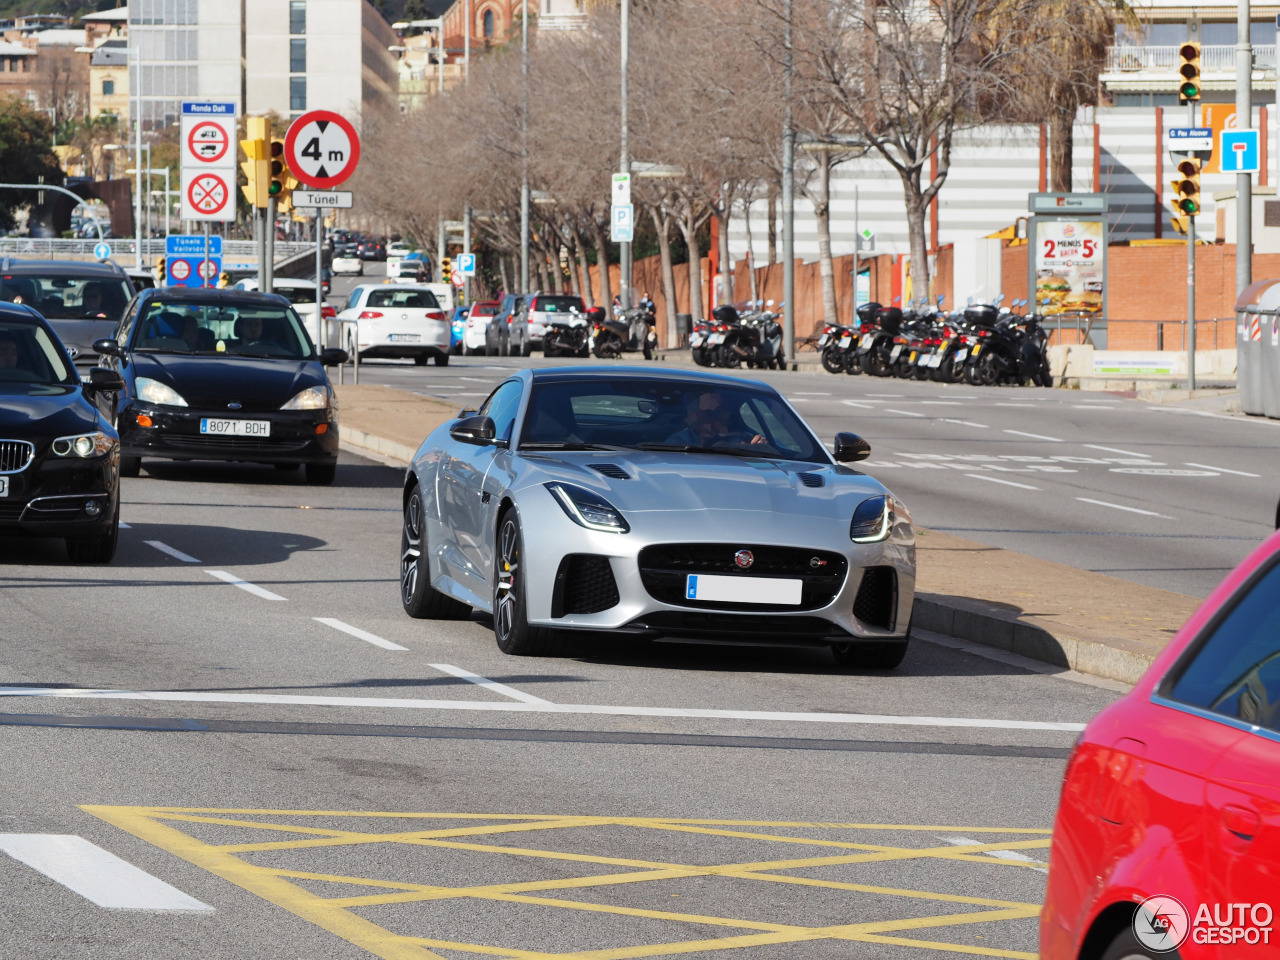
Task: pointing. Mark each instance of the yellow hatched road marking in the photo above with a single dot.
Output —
(336, 915)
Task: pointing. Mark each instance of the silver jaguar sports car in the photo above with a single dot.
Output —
(666, 505)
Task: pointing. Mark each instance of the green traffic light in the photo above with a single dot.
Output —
(1189, 206)
(1189, 91)
(274, 188)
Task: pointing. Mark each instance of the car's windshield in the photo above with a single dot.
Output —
(304, 295)
(666, 414)
(68, 297)
(558, 304)
(30, 360)
(230, 329)
(483, 310)
(408, 299)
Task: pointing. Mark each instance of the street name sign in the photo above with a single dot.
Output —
(1189, 139)
(328, 199)
(208, 136)
(322, 149)
(1241, 152)
(1067, 202)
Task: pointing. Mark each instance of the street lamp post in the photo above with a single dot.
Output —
(788, 207)
(624, 165)
(524, 152)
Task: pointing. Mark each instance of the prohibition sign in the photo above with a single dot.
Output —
(208, 193)
(180, 269)
(207, 142)
(322, 149)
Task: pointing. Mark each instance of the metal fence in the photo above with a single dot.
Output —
(40, 248)
(1214, 334)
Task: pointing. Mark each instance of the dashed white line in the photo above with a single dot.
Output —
(125, 526)
(811, 393)
(1039, 865)
(493, 685)
(507, 706)
(166, 549)
(964, 423)
(1014, 404)
(905, 413)
(359, 634)
(942, 403)
(1116, 506)
(1238, 473)
(1034, 436)
(847, 403)
(1127, 453)
(245, 585)
(891, 396)
(1007, 483)
(95, 874)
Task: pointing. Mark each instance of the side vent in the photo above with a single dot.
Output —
(610, 470)
(812, 479)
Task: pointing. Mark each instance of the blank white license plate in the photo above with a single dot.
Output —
(695, 341)
(935, 361)
(4, 486)
(715, 339)
(844, 341)
(742, 589)
(235, 428)
(893, 354)
(822, 340)
(961, 354)
(405, 337)
(924, 359)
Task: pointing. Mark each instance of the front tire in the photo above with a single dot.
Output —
(511, 626)
(1127, 946)
(419, 599)
(101, 549)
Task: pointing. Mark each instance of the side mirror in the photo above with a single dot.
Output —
(105, 381)
(477, 430)
(333, 357)
(850, 447)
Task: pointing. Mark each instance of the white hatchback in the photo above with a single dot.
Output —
(302, 294)
(397, 321)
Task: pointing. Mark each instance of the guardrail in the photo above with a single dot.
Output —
(1219, 58)
(48, 248)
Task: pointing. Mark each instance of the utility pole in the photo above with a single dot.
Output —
(268, 268)
(788, 205)
(1191, 271)
(624, 166)
(466, 248)
(466, 45)
(524, 153)
(1244, 121)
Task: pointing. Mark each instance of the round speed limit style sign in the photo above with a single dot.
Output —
(322, 149)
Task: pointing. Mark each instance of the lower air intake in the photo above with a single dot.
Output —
(584, 584)
(877, 599)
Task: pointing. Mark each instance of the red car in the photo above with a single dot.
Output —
(1167, 842)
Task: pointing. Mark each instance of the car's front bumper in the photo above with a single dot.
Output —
(48, 499)
(297, 436)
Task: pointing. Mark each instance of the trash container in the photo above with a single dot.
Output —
(1254, 316)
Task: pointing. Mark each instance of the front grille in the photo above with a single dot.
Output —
(665, 567)
(15, 455)
(811, 479)
(584, 584)
(610, 470)
(730, 627)
(877, 600)
(234, 443)
(11, 511)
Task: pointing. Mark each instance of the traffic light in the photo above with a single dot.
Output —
(446, 269)
(1189, 71)
(282, 182)
(162, 268)
(1181, 223)
(257, 166)
(1186, 189)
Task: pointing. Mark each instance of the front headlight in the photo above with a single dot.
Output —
(872, 520)
(84, 445)
(153, 391)
(588, 509)
(312, 398)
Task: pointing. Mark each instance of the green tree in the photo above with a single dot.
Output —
(415, 10)
(26, 154)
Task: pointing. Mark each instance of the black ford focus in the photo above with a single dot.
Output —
(222, 375)
(59, 456)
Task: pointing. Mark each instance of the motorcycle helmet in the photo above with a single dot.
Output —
(725, 314)
(595, 315)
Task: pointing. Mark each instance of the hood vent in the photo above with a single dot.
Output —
(610, 470)
(812, 479)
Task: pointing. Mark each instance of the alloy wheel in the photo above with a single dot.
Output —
(508, 583)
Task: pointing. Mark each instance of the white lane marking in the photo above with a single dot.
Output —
(176, 554)
(1116, 506)
(1127, 453)
(1007, 483)
(1040, 865)
(1033, 436)
(964, 423)
(475, 379)
(125, 526)
(1238, 473)
(941, 403)
(847, 403)
(96, 874)
(811, 393)
(905, 413)
(359, 634)
(1015, 404)
(486, 706)
(891, 396)
(245, 585)
(1086, 406)
(493, 685)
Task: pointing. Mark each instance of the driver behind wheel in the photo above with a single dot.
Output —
(708, 418)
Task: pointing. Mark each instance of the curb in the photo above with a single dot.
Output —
(380, 448)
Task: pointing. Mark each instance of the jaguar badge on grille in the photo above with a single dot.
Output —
(744, 559)
(816, 563)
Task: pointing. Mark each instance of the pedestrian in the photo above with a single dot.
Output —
(646, 303)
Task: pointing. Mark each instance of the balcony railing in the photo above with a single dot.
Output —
(1215, 59)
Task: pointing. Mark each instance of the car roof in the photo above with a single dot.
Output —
(61, 268)
(19, 311)
(204, 295)
(605, 373)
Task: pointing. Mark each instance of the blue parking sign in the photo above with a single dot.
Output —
(1239, 151)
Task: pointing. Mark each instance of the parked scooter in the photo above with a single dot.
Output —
(880, 348)
(633, 330)
(702, 353)
(755, 340)
(566, 334)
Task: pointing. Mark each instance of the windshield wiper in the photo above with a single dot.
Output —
(567, 445)
(727, 451)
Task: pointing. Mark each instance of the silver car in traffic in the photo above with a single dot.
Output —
(665, 505)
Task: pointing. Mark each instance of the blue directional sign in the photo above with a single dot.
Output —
(102, 251)
(185, 265)
(191, 245)
(1240, 151)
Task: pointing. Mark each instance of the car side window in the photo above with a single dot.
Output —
(1236, 671)
(501, 408)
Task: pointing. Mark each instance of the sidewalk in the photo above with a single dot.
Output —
(1051, 612)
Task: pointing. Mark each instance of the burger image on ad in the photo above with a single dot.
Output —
(1086, 301)
(1051, 291)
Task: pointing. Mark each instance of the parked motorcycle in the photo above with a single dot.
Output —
(880, 348)
(566, 334)
(702, 353)
(634, 330)
(755, 340)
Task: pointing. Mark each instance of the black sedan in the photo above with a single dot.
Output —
(59, 456)
(222, 375)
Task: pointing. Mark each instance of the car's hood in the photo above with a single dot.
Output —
(63, 412)
(205, 379)
(691, 481)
